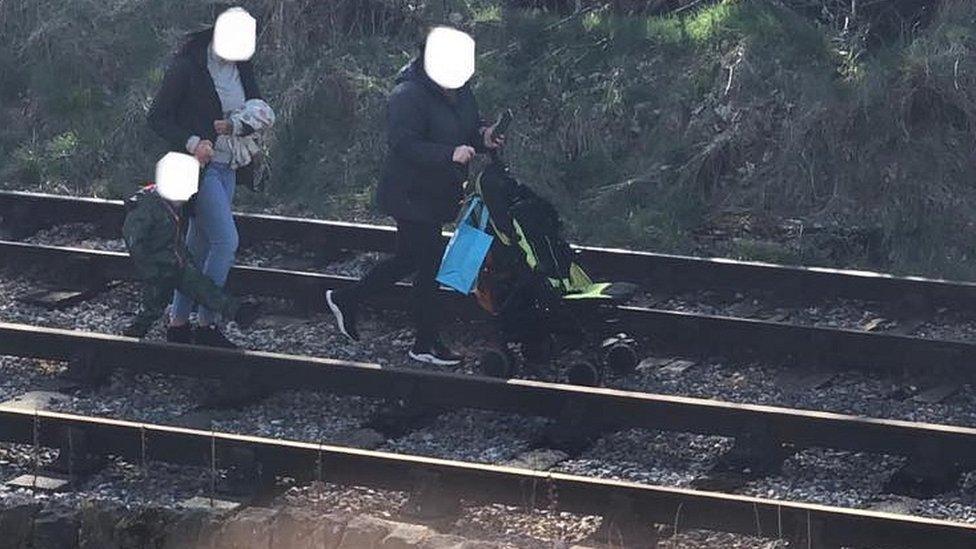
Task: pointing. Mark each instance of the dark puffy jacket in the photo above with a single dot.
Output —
(187, 103)
(420, 181)
(155, 230)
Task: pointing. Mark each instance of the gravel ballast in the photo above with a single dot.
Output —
(852, 314)
(309, 416)
(815, 475)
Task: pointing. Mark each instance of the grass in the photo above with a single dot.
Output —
(641, 128)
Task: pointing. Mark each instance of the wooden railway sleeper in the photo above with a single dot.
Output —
(88, 368)
(325, 252)
(930, 470)
(238, 389)
(403, 413)
(623, 526)
(820, 352)
(574, 429)
(245, 476)
(77, 455)
(757, 452)
(76, 272)
(431, 499)
(810, 533)
(309, 300)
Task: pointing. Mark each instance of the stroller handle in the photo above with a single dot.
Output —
(499, 128)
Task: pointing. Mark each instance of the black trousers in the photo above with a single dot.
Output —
(419, 250)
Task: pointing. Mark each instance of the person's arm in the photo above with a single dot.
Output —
(251, 91)
(406, 125)
(162, 114)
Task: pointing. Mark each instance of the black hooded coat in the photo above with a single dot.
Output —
(420, 181)
(187, 103)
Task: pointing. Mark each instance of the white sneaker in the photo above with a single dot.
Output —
(437, 354)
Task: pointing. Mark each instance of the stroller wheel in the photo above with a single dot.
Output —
(583, 373)
(621, 358)
(539, 350)
(497, 363)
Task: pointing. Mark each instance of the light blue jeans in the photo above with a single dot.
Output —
(211, 237)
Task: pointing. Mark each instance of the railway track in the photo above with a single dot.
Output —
(809, 525)
(937, 453)
(683, 333)
(768, 434)
(28, 212)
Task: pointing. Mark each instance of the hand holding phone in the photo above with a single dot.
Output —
(495, 134)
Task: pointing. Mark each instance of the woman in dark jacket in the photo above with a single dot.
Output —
(190, 112)
(433, 133)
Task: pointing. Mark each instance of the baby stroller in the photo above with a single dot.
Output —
(538, 296)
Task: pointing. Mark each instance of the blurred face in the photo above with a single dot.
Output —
(235, 35)
(449, 57)
(177, 177)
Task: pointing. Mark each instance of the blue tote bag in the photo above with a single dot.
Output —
(466, 251)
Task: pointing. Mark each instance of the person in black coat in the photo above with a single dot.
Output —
(188, 105)
(190, 112)
(433, 133)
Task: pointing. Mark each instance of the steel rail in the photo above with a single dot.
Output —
(608, 409)
(653, 269)
(817, 525)
(685, 333)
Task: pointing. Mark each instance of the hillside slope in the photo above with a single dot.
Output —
(790, 130)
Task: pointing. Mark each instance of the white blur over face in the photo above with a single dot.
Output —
(177, 177)
(235, 35)
(449, 57)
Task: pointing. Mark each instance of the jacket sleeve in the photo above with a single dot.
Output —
(406, 132)
(162, 114)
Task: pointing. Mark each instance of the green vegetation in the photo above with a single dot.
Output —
(647, 129)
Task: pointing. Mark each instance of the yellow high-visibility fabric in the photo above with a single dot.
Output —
(594, 291)
(523, 243)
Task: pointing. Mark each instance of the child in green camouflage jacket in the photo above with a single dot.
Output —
(155, 235)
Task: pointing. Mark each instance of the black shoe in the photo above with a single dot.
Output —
(344, 312)
(179, 334)
(247, 313)
(437, 354)
(210, 336)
